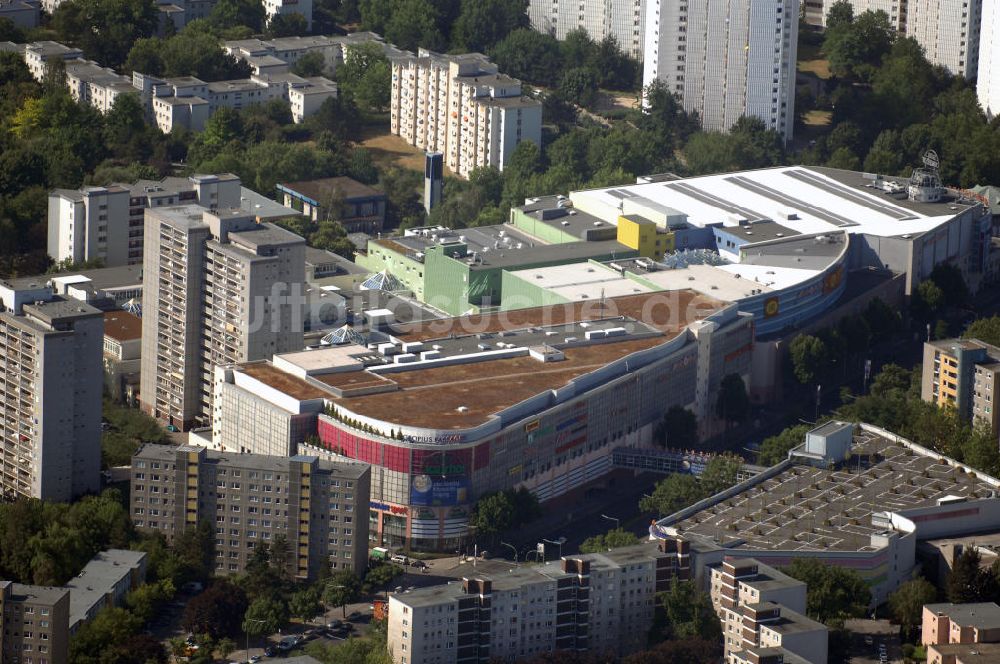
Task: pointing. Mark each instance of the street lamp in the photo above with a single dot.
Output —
(559, 542)
(511, 547)
(247, 632)
(611, 518)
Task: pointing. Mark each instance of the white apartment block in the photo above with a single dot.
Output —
(286, 7)
(94, 85)
(726, 58)
(106, 223)
(621, 19)
(218, 288)
(602, 602)
(815, 11)
(760, 607)
(50, 413)
(988, 79)
(460, 106)
(276, 55)
(948, 30)
(189, 102)
(38, 54)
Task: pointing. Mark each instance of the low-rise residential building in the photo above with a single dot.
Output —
(962, 374)
(91, 84)
(278, 54)
(35, 623)
(771, 625)
(602, 602)
(963, 653)
(22, 13)
(960, 623)
(38, 54)
(461, 106)
(50, 394)
(122, 349)
(189, 102)
(319, 508)
(104, 582)
(357, 206)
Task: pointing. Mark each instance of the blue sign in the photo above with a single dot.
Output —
(437, 492)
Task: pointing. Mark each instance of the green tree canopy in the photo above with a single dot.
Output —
(673, 493)
(217, 611)
(733, 404)
(105, 29)
(833, 593)
(265, 615)
(342, 588)
(483, 23)
(775, 448)
(529, 55)
(810, 358)
(678, 428)
(907, 603)
(984, 329)
(613, 539)
(689, 612)
(720, 473)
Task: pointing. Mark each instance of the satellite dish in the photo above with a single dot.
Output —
(931, 160)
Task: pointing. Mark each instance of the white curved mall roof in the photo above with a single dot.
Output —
(805, 199)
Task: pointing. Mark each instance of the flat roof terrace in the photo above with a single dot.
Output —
(668, 312)
(807, 509)
(432, 397)
(282, 381)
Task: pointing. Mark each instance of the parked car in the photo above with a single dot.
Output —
(269, 652)
(418, 563)
(354, 615)
(335, 624)
(400, 559)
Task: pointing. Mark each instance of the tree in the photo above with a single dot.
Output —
(312, 63)
(287, 25)
(110, 627)
(928, 301)
(810, 358)
(497, 512)
(529, 55)
(343, 588)
(579, 86)
(265, 615)
(883, 321)
(305, 604)
(679, 651)
(984, 329)
(380, 576)
(195, 549)
(855, 49)
(234, 13)
(833, 593)
(674, 493)
(775, 449)
(967, 581)
(613, 539)
(733, 404)
(483, 23)
(688, 612)
(907, 603)
(678, 428)
(413, 24)
(841, 13)
(720, 473)
(105, 30)
(217, 611)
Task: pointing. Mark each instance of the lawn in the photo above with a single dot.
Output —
(389, 150)
(811, 61)
(818, 118)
